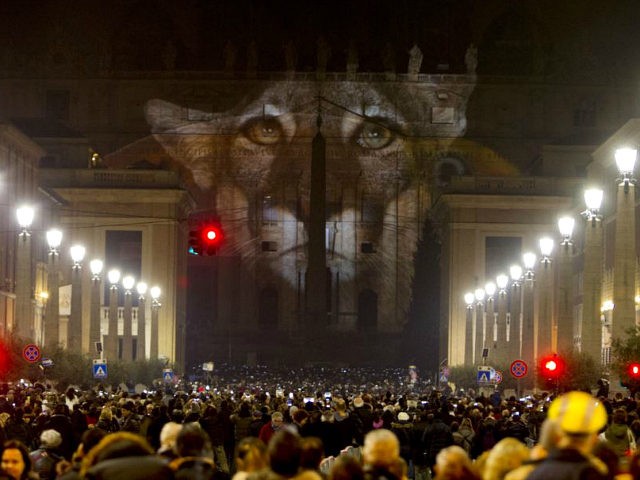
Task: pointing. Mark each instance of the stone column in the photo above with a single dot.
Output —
(111, 344)
(527, 328)
(141, 353)
(502, 352)
(515, 321)
(127, 338)
(564, 331)
(624, 262)
(590, 328)
(23, 319)
(544, 327)
(153, 352)
(52, 315)
(74, 327)
(469, 343)
(95, 335)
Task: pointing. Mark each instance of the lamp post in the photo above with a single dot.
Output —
(589, 332)
(625, 246)
(545, 327)
(527, 327)
(95, 335)
(502, 349)
(565, 330)
(23, 320)
(469, 341)
(491, 333)
(128, 282)
(51, 320)
(74, 328)
(514, 320)
(155, 307)
(480, 324)
(111, 344)
(141, 350)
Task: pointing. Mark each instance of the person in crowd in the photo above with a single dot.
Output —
(61, 422)
(401, 427)
(71, 470)
(195, 456)
(213, 425)
(363, 417)
(453, 463)
(437, 435)
(463, 435)
(548, 440)
(16, 428)
(15, 461)
(507, 455)
(312, 454)
(130, 422)
(124, 455)
(45, 458)
(157, 423)
(346, 467)
(168, 438)
(579, 418)
(106, 421)
(256, 423)
(618, 435)
(242, 421)
(250, 456)
(269, 429)
(380, 453)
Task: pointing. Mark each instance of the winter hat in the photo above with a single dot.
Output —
(403, 417)
(50, 438)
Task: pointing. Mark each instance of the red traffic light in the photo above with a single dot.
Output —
(552, 366)
(211, 239)
(634, 370)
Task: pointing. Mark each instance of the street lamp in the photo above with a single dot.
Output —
(74, 327)
(502, 281)
(529, 262)
(23, 316)
(51, 332)
(25, 215)
(593, 201)
(77, 255)
(546, 247)
(469, 342)
(111, 345)
(155, 307)
(141, 350)
(95, 334)
(128, 282)
(54, 239)
(625, 161)
(565, 226)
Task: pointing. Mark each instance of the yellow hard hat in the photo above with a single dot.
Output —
(578, 412)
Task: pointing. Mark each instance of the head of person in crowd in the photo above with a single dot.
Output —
(453, 463)
(507, 455)
(251, 455)
(115, 445)
(168, 437)
(346, 467)
(50, 439)
(312, 453)
(381, 449)
(277, 419)
(284, 451)
(15, 460)
(579, 418)
(193, 441)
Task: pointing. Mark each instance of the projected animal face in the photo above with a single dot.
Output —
(251, 161)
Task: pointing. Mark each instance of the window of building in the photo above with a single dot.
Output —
(367, 310)
(268, 309)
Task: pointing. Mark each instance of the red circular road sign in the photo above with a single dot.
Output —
(31, 353)
(498, 376)
(518, 368)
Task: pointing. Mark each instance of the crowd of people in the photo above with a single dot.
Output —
(311, 424)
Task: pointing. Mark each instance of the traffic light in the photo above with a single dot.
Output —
(552, 367)
(195, 240)
(634, 371)
(211, 236)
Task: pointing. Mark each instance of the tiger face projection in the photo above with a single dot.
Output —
(249, 157)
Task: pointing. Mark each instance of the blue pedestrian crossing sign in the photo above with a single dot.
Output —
(99, 368)
(167, 375)
(485, 375)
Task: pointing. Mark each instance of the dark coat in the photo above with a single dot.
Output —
(566, 464)
(131, 468)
